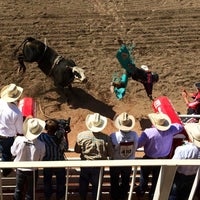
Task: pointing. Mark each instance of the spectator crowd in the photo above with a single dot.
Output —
(34, 139)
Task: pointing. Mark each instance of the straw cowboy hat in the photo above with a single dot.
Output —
(160, 120)
(193, 131)
(95, 122)
(32, 128)
(124, 122)
(11, 93)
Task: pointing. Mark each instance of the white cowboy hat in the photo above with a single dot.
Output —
(124, 122)
(95, 122)
(160, 120)
(11, 92)
(145, 67)
(193, 131)
(33, 127)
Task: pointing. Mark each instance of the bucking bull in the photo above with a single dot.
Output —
(63, 71)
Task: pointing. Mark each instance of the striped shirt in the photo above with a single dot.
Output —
(53, 150)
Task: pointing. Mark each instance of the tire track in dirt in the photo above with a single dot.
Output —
(111, 8)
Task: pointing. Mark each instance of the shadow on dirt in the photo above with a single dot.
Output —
(81, 99)
(145, 123)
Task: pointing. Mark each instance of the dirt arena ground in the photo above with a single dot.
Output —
(165, 33)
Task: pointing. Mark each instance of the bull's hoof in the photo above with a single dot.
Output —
(151, 97)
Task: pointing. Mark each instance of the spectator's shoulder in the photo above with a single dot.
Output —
(177, 125)
(134, 133)
(149, 130)
(42, 136)
(84, 134)
(40, 142)
(20, 139)
(113, 133)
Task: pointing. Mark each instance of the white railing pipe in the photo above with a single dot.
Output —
(165, 179)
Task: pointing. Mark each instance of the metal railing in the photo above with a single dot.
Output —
(165, 179)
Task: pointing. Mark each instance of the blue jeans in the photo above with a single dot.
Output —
(181, 187)
(24, 180)
(60, 182)
(120, 191)
(6, 144)
(88, 175)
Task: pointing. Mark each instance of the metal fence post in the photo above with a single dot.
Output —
(100, 183)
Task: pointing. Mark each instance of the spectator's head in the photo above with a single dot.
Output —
(124, 122)
(11, 92)
(160, 121)
(33, 127)
(193, 131)
(95, 122)
(51, 126)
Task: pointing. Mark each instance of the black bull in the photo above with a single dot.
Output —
(63, 71)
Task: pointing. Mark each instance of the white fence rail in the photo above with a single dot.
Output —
(165, 180)
(198, 116)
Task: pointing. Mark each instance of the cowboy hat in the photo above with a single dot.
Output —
(124, 122)
(11, 93)
(160, 120)
(193, 131)
(33, 127)
(95, 122)
(145, 67)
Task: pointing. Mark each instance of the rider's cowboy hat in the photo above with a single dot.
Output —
(95, 122)
(32, 128)
(160, 120)
(193, 131)
(11, 93)
(124, 122)
(145, 67)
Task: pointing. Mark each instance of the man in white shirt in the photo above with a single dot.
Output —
(185, 175)
(28, 148)
(11, 120)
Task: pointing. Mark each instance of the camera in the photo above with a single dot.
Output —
(64, 124)
(63, 130)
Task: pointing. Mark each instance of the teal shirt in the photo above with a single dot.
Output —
(125, 59)
(120, 92)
